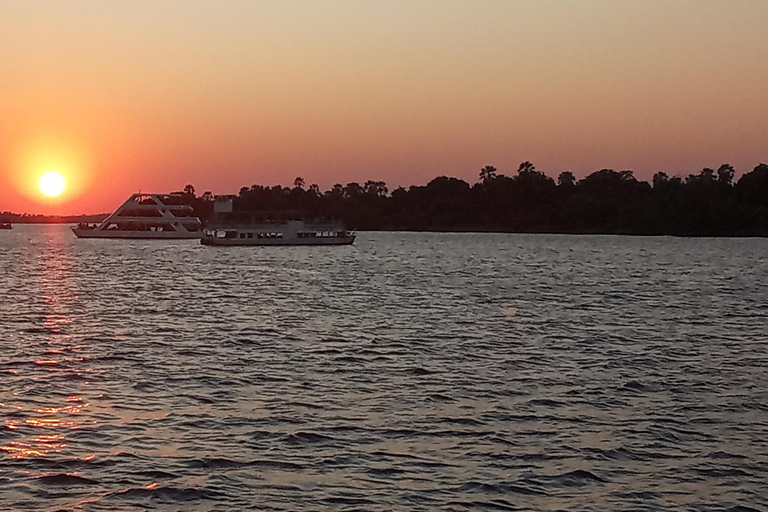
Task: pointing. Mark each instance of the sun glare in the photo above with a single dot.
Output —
(52, 184)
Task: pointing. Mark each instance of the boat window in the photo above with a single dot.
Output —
(250, 235)
(279, 235)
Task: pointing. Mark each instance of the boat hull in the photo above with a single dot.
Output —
(135, 235)
(258, 242)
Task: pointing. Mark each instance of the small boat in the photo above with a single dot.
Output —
(147, 216)
(292, 232)
(6, 225)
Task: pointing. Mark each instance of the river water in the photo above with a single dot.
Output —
(409, 371)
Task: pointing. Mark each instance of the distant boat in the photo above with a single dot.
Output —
(6, 225)
(147, 216)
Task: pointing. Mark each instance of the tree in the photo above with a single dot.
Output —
(207, 196)
(353, 190)
(627, 175)
(606, 201)
(298, 183)
(375, 188)
(752, 187)
(725, 174)
(487, 174)
(659, 179)
(526, 167)
(336, 192)
(707, 175)
(566, 179)
(189, 190)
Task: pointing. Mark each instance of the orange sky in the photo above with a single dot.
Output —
(128, 95)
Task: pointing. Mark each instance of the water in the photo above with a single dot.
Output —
(407, 372)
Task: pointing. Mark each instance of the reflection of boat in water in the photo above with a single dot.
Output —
(270, 228)
(153, 216)
(5, 225)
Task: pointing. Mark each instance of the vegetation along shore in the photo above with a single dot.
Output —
(709, 203)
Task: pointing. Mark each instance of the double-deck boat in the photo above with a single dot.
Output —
(147, 216)
(230, 228)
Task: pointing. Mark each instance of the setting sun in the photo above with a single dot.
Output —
(52, 184)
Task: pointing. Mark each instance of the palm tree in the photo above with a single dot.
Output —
(526, 167)
(375, 188)
(487, 174)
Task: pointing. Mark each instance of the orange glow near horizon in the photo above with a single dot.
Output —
(50, 173)
(127, 96)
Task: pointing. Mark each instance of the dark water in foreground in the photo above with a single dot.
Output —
(408, 372)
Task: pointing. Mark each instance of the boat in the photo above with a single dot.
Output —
(229, 228)
(5, 225)
(147, 216)
(291, 232)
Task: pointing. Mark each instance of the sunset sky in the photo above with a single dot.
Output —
(121, 96)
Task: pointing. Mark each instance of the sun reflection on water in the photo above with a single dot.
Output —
(43, 410)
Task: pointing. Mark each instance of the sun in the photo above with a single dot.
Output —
(52, 184)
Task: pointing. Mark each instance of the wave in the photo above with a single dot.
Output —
(65, 479)
(504, 488)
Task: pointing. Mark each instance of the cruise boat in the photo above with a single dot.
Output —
(147, 216)
(269, 228)
(292, 232)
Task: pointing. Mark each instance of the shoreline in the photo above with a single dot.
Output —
(479, 231)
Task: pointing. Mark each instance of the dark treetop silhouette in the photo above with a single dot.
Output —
(606, 201)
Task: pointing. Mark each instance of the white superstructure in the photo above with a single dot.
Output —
(152, 216)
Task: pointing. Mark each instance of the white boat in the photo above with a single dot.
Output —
(269, 228)
(291, 232)
(147, 216)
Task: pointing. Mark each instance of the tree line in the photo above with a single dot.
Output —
(709, 203)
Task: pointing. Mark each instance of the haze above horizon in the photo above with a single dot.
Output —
(122, 96)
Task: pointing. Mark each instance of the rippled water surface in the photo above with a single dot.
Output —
(410, 371)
